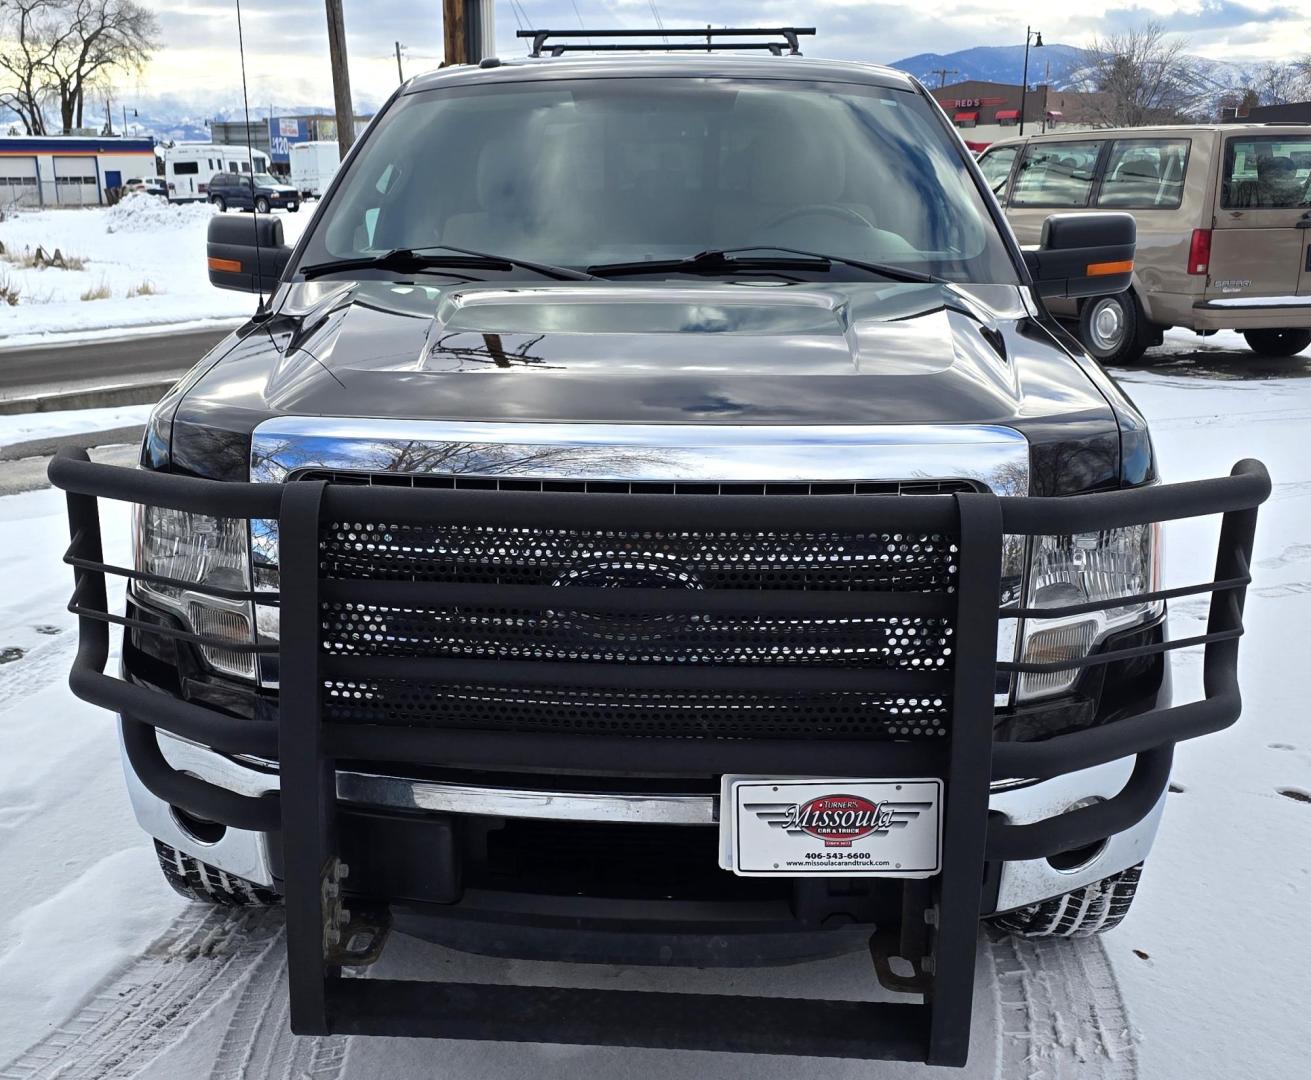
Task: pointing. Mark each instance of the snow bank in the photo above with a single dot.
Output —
(25, 427)
(146, 213)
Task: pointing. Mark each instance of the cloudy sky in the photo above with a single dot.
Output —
(286, 40)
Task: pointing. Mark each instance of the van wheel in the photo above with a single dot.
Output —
(1277, 342)
(219, 204)
(197, 880)
(1094, 909)
(1113, 328)
(261, 205)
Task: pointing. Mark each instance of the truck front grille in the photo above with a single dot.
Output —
(572, 563)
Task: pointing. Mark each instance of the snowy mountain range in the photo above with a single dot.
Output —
(1052, 64)
(994, 63)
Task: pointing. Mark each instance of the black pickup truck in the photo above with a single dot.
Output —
(653, 518)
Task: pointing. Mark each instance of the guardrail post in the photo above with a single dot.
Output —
(308, 778)
(969, 776)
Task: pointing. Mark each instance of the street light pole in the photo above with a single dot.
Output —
(1029, 35)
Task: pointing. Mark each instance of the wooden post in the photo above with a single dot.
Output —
(455, 41)
(341, 79)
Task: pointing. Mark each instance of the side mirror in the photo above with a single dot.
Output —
(1083, 255)
(246, 253)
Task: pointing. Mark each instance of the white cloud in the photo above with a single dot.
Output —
(287, 56)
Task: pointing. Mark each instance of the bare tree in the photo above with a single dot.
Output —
(103, 37)
(1279, 84)
(27, 42)
(57, 51)
(1143, 76)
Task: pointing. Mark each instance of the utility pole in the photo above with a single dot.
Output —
(341, 80)
(942, 74)
(399, 73)
(455, 40)
(468, 31)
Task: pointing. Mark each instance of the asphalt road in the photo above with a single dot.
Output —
(148, 357)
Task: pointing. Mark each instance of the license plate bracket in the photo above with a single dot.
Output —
(807, 827)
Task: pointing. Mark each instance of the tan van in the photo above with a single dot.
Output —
(1224, 227)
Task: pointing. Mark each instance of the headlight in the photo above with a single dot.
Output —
(1080, 569)
(204, 551)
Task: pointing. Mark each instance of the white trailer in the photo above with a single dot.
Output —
(189, 166)
(312, 167)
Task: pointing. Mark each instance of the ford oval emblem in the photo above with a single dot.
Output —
(627, 573)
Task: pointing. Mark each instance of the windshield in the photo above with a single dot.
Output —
(265, 180)
(582, 173)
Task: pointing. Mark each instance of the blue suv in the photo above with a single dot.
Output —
(266, 194)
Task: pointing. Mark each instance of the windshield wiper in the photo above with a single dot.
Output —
(719, 260)
(430, 258)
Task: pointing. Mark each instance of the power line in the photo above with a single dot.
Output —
(659, 21)
(579, 17)
(521, 10)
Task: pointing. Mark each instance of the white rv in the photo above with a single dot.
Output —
(312, 167)
(188, 167)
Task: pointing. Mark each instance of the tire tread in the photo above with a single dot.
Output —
(1092, 909)
(197, 880)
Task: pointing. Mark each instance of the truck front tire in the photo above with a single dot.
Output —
(197, 880)
(1288, 342)
(1093, 909)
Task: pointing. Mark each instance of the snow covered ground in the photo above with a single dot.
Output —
(143, 241)
(1213, 965)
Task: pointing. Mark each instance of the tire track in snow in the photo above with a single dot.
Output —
(1062, 1014)
(208, 955)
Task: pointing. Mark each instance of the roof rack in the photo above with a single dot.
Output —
(705, 40)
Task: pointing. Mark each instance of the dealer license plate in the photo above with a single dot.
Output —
(772, 827)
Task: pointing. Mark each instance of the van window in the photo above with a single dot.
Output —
(1056, 174)
(1145, 174)
(1266, 172)
(996, 167)
(186, 168)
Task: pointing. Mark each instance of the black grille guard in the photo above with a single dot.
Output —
(306, 743)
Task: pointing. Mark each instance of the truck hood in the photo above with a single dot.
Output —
(642, 353)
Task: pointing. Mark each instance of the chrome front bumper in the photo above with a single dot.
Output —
(246, 854)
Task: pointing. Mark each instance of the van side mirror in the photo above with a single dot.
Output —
(1083, 255)
(246, 252)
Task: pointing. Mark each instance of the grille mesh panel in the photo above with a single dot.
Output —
(903, 562)
(579, 561)
(631, 638)
(588, 710)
